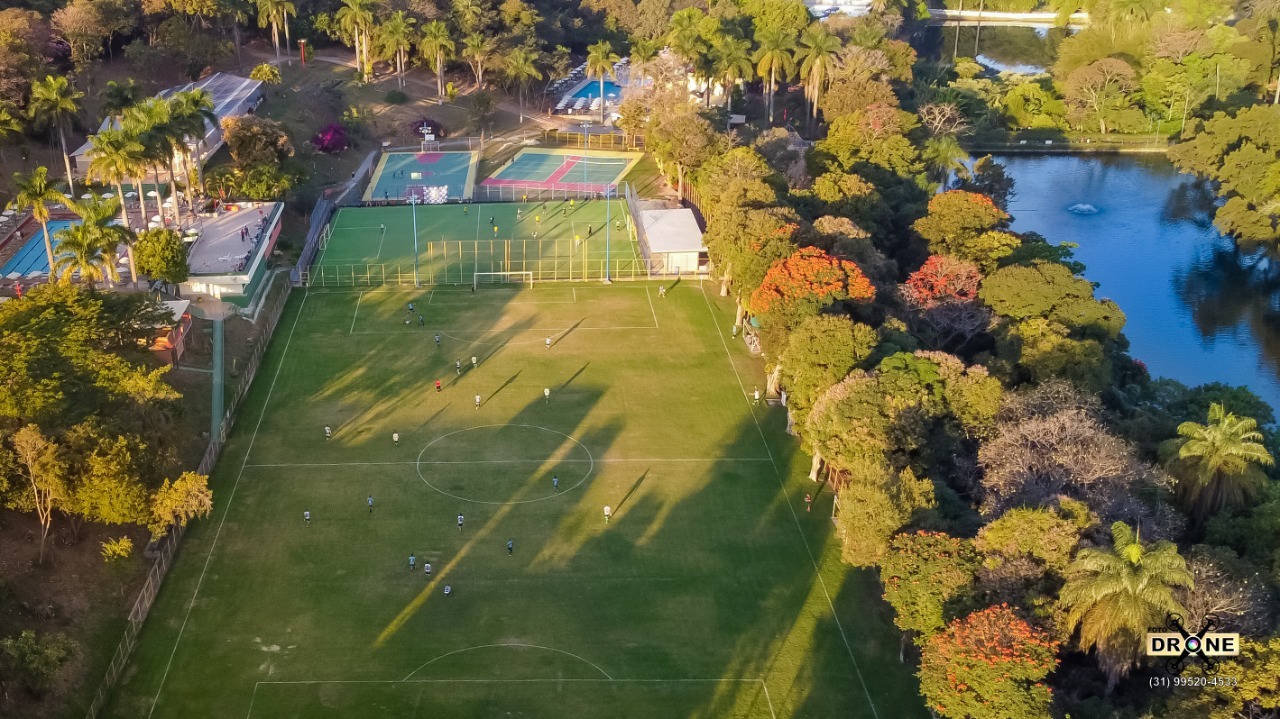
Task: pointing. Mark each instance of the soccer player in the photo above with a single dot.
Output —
(537, 220)
(457, 365)
(437, 339)
(519, 214)
(474, 361)
(426, 568)
(808, 502)
(422, 322)
(447, 590)
(395, 437)
(571, 203)
(437, 386)
(756, 395)
(491, 220)
(555, 482)
(546, 394)
(511, 547)
(328, 432)
(371, 504)
(608, 512)
(306, 516)
(412, 561)
(548, 343)
(662, 291)
(495, 230)
(477, 401)
(410, 308)
(588, 230)
(459, 521)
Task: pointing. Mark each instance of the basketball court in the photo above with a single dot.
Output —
(399, 174)
(577, 170)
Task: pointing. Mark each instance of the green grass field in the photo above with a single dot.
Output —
(711, 593)
(552, 240)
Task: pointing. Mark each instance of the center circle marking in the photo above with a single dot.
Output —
(591, 463)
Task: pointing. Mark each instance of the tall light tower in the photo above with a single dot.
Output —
(414, 200)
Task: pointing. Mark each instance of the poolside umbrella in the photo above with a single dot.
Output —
(193, 232)
(108, 195)
(130, 195)
(7, 213)
(153, 224)
(155, 218)
(152, 193)
(86, 196)
(68, 195)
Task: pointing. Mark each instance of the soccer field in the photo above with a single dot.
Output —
(554, 240)
(710, 593)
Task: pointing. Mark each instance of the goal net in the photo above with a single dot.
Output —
(524, 279)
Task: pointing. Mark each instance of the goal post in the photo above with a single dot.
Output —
(524, 278)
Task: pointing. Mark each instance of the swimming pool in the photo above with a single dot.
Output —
(612, 91)
(32, 257)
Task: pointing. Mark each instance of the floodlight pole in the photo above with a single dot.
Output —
(413, 200)
(608, 227)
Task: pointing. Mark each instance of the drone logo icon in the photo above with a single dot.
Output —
(1181, 645)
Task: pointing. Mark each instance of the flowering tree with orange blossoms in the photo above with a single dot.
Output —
(800, 285)
(942, 280)
(988, 665)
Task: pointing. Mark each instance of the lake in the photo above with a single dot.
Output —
(1199, 309)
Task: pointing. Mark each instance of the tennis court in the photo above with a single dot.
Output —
(556, 240)
(578, 170)
(399, 173)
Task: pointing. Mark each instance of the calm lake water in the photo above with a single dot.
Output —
(1199, 309)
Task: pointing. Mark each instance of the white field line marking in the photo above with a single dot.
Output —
(553, 331)
(794, 516)
(191, 605)
(655, 313)
(381, 240)
(542, 287)
(763, 685)
(575, 293)
(355, 314)
(616, 460)
(548, 680)
(512, 644)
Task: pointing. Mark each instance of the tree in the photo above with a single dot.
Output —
(54, 103)
(988, 665)
(114, 157)
(81, 251)
(875, 503)
(437, 47)
(819, 353)
(266, 73)
(1050, 291)
(817, 56)
(736, 179)
(643, 51)
(108, 483)
(922, 573)
(180, 501)
(1255, 695)
(801, 285)
(1115, 594)
(732, 59)
(1219, 464)
(968, 227)
(191, 114)
(520, 67)
(943, 155)
(477, 50)
(355, 22)
(600, 61)
(83, 24)
(162, 255)
(775, 60)
(256, 141)
(1226, 590)
(45, 475)
(988, 177)
(942, 280)
(33, 661)
(395, 38)
(119, 96)
(34, 192)
(1034, 533)
(276, 13)
(1100, 91)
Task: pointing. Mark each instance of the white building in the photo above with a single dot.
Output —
(232, 96)
(672, 242)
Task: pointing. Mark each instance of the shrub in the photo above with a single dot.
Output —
(116, 549)
(396, 97)
(331, 140)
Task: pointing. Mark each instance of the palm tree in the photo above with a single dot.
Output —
(600, 60)
(276, 13)
(944, 155)
(115, 157)
(81, 250)
(520, 67)
(148, 122)
(476, 50)
(55, 102)
(437, 47)
(191, 113)
(1219, 464)
(1115, 594)
(817, 58)
(97, 216)
(732, 57)
(643, 52)
(395, 39)
(775, 59)
(34, 191)
(355, 19)
(119, 96)
(685, 38)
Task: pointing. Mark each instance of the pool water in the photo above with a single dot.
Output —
(32, 257)
(592, 90)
